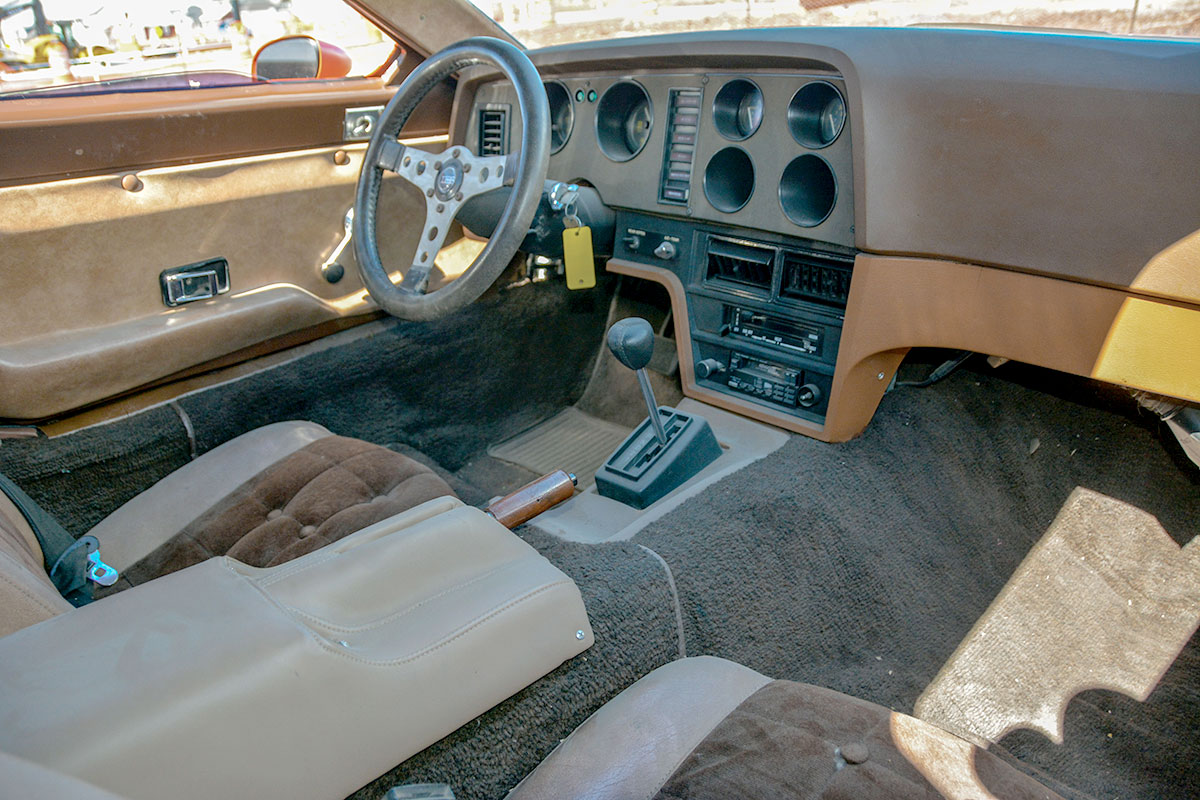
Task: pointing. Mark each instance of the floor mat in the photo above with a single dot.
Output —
(1105, 599)
(570, 440)
(862, 566)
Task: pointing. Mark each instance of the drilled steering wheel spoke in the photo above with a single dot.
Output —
(439, 214)
(482, 174)
(413, 164)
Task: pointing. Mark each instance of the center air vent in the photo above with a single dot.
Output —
(683, 123)
(740, 262)
(493, 130)
(815, 277)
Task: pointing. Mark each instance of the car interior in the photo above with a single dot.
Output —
(801, 412)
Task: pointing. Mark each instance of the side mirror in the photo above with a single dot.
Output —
(299, 57)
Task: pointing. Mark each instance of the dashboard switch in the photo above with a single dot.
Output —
(809, 395)
(633, 242)
(665, 250)
(708, 367)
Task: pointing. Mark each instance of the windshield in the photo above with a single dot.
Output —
(550, 22)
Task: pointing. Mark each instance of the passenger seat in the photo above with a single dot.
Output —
(709, 729)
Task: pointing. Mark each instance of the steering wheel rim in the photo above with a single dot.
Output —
(450, 179)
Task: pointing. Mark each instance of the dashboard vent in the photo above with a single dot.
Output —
(683, 122)
(493, 131)
(740, 262)
(815, 277)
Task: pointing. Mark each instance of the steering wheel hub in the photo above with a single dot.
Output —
(449, 179)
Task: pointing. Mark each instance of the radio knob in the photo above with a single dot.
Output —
(809, 395)
(633, 242)
(665, 251)
(708, 367)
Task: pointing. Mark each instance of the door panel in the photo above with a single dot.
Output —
(84, 317)
(249, 174)
(66, 137)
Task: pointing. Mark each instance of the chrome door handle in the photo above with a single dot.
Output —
(193, 282)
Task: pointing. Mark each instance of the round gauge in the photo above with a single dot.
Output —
(808, 190)
(738, 109)
(624, 118)
(817, 114)
(729, 179)
(562, 115)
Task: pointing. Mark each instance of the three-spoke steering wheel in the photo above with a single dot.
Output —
(450, 179)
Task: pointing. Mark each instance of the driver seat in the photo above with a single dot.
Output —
(263, 498)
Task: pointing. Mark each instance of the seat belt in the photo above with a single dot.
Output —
(72, 564)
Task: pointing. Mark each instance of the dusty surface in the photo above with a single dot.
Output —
(542, 27)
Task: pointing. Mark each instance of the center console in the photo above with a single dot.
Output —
(764, 312)
(381, 643)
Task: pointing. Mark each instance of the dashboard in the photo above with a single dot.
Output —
(741, 185)
(818, 201)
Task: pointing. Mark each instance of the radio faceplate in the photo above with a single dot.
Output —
(763, 379)
(776, 383)
(774, 331)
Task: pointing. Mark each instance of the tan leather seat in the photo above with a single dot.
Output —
(709, 729)
(705, 728)
(263, 498)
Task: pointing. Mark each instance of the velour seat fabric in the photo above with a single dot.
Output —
(705, 728)
(263, 498)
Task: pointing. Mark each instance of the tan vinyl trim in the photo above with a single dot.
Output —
(899, 303)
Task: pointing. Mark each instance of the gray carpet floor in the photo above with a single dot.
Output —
(414, 386)
(860, 567)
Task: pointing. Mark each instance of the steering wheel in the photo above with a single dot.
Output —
(448, 180)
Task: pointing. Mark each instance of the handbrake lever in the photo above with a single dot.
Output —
(532, 499)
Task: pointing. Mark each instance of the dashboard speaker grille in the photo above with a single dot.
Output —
(738, 262)
(493, 131)
(815, 277)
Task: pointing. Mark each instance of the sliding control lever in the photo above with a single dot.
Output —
(632, 342)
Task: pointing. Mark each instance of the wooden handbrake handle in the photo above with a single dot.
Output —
(533, 498)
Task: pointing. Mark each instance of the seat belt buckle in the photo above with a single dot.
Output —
(100, 572)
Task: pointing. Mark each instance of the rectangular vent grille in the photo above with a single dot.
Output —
(743, 263)
(683, 123)
(493, 131)
(815, 277)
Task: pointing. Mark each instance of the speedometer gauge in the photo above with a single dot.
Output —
(624, 118)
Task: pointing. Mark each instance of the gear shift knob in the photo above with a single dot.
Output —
(632, 342)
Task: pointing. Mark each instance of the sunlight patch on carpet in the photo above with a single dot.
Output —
(1106, 600)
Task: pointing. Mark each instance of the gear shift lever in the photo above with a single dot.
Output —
(651, 462)
(632, 342)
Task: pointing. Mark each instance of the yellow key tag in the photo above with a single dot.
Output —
(578, 258)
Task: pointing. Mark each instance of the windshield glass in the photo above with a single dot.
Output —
(540, 23)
